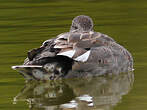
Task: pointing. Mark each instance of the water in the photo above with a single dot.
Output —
(26, 24)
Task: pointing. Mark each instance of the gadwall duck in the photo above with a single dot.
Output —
(81, 52)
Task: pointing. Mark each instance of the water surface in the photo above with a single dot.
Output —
(26, 24)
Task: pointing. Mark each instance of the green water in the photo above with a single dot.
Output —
(25, 24)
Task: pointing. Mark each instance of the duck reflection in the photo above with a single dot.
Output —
(79, 94)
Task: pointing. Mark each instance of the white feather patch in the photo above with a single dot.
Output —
(69, 53)
(91, 32)
(84, 57)
(26, 66)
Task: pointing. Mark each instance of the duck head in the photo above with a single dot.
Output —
(82, 23)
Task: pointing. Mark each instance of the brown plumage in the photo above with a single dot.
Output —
(81, 50)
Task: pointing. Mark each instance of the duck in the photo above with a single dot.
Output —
(81, 52)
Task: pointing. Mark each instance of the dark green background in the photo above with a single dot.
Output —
(25, 24)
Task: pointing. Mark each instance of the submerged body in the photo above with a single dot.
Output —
(80, 53)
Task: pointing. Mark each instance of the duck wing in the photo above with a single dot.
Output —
(79, 46)
(46, 50)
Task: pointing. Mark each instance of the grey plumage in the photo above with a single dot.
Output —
(81, 50)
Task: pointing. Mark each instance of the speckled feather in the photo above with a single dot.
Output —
(81, 49)
(80, 43)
